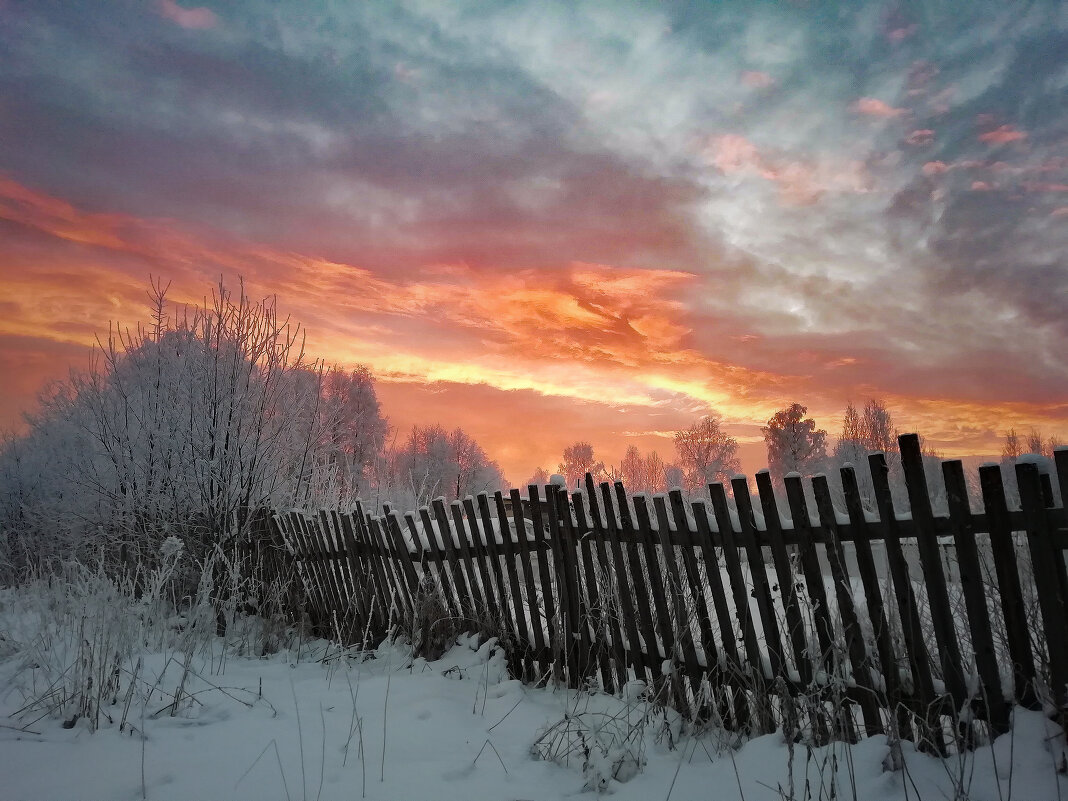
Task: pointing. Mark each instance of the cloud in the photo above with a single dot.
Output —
(1003, 135)
(564, 202)
(922, 137)
(874, 107)
(199, 18)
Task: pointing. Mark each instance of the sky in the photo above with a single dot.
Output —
(549, 222)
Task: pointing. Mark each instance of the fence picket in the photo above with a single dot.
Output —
(625, 591)
(537, 635)
(971, 580)
(464, 543)
(642, 599)
(858, 655)
(795, 624)
(873, 595)
(810, 567)
(685, 655)
(461, 578)
(731, 677)
(599, 634)
(548, 592)
(694, 583)
(478, 552)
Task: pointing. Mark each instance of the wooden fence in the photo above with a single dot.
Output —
(739, 606)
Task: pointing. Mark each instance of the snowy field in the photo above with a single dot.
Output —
(191, 716)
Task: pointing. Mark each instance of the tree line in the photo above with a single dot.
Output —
(705, 453)
(184, 426)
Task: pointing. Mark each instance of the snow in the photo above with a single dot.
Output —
(1041, 461)
(319, 721)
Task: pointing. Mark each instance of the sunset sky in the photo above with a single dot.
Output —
(544, 222)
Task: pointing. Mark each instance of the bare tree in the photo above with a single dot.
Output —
(706, 453)
(1010, 451)
(1035, 443)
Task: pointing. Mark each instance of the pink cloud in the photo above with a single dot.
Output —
(1003, 135)
(757, 80)
(935, 168)
(199, 18)
(800, 182)
(981, 186)
(873, 107)
(734, 153)
(920, 138)
(1059, 212)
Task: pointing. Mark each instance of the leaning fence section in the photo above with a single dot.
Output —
(757, 608)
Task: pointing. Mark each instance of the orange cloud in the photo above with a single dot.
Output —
(1003, 135)
(609, 348)
(873, 107)
(535, 329)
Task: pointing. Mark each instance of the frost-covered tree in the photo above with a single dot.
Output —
(181, 427)
(642, 473)
(579, 460)
(435, 462)
(794, 443)
(632, 470)
(706, 453)
(674, 477)
(352, 429)
(540, 478)
(877, 430)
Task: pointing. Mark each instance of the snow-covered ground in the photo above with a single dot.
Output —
(314, 721)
